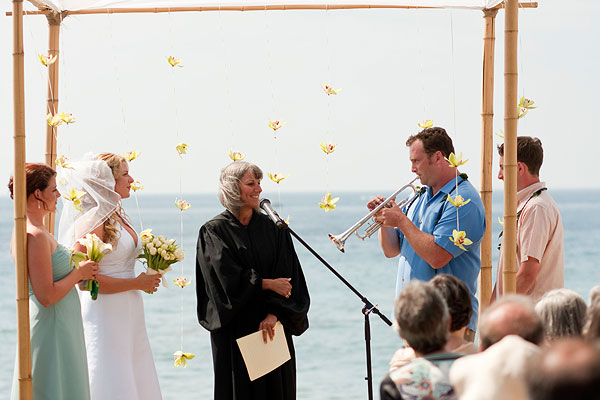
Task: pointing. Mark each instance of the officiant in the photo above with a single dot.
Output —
(248, 278)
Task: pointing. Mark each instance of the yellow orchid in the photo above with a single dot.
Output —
(132, 155)
(276, 124)
(501, 221)
(458, 200)
(174, 61)
(182, 282)
(63, 162)
(54, 120)
(181, 358)
(236, 155)
(67, 118)
(182, 204)
(426, 123)
(75, 196)
(327, 203)
(329, 90)
(277, 177)
(524, 106)
(287, 221)
(460, 239)
(500, 134)
(137, 185)
(181, 148)
(455, 161)
(328, 148)
(47, 60)
(146, 234)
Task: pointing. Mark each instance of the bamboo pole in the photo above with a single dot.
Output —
(54, 20)
(20, 208)
(252, 8)
(509, 243)
(487, 154)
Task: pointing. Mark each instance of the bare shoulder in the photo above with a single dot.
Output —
(38, 240)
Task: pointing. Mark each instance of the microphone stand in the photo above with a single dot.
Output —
(367, 309)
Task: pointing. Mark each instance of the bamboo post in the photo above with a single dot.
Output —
(20, 208)
(509, 243)
(487, 154)
(54, 20)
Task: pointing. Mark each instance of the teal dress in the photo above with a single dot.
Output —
(58, 357)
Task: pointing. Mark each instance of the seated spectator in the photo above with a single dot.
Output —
(458, 300)
(591, 327)
(422, 320)
(563, 313)
(510, 333)
(567, 369)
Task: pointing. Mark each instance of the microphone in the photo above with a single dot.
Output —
(265, 204)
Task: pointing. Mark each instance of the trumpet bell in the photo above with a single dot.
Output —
(338, 242)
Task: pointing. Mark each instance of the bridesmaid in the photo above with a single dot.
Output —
(58, 357)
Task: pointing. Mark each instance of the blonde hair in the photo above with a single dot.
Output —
(111, 232)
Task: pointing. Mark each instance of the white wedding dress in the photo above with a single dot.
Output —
(119, 356)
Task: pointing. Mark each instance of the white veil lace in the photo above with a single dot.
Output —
(100, 201)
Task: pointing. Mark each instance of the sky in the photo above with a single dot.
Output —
(242, 69)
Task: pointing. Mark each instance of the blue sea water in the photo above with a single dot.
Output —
(331, 354)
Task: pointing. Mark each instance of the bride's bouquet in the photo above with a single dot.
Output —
(158, 253)
(96, 249)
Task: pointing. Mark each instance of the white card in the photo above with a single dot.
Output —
(261, 358)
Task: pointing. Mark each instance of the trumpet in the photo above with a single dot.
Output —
(340, 240)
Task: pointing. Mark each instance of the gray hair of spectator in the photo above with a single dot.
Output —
(563, 313)
(512, 314)
(591, 327)
(229, 184)
(422, 317)
(457, 298)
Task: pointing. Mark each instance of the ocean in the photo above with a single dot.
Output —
(331, 353)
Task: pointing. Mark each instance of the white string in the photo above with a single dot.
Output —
(454, 109)
(226, 79)
(117, 80)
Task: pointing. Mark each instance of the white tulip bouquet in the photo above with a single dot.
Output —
(158, 253)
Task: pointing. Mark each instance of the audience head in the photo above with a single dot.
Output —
(229, 184)
(512, 314)
(591, 328)
(529, 152)
(422, 317)
(567, 369)
(562, 312)
(457, 298)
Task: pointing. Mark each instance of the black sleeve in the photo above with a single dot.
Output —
(223, 284)
(388, 390)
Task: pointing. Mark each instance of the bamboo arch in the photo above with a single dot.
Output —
(487, 112)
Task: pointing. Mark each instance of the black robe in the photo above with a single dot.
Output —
(231, 262)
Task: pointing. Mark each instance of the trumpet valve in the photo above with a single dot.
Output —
(338, 243)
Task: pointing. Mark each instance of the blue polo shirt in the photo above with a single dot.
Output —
(424, 213)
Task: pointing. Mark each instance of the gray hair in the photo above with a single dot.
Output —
(422, 317)
(562, 312)
(512, 314)
(229, 184)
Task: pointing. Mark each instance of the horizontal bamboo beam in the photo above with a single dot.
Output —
(247, 8)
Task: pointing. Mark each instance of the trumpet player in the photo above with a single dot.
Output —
(421, 232)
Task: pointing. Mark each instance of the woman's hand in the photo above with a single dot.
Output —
(148, 283)
(88, 270)
(267, 326)
(281, 286)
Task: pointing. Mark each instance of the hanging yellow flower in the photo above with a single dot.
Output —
(182, 282)
(460, 239)
(146, 234)
(67, 118)
(328, 148)
(182, 204)
(181, 358)
(47, 60)
(455, 161)
(181, 148)
(131, 155)
(458, 200)
(135, 186)
(500, 133)
(524, 106)
(174, 61)
(501, 221)
(54, 120)
(236, 155)
(277, 177)
(426, 123)
(276, 124)
(63, 162)
(75, 196)
(329, 90)
(327, 203)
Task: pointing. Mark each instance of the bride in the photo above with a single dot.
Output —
(120, 359)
